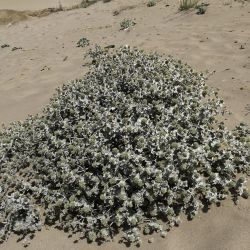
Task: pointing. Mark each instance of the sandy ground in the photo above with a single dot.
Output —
(218, 41)
(35, 4)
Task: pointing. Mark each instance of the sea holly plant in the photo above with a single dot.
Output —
(127, 23)
(83, 42)
(151, 3)
(128, 148)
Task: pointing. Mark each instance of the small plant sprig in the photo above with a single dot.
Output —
(187, 4)
(5, 46)
(83, 42)
(201, 8)
(127, 23)
(151, 3)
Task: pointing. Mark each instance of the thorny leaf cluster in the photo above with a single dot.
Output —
(151, 3)
(83, 42)
(127, 23)
(134, 142)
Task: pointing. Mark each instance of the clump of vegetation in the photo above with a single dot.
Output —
(136, 140)
(83, 42)
(87, 3)
(201, 8)
(151, 3)
(5, 46)
(16, 48)
(116, 13)
(127, 23)
(187, 4)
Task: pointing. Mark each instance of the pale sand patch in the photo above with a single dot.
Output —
(35, 4)
(12, 16)
(15, 11)
(28, 78)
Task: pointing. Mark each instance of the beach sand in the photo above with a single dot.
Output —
(218, 41)
(35, 4)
